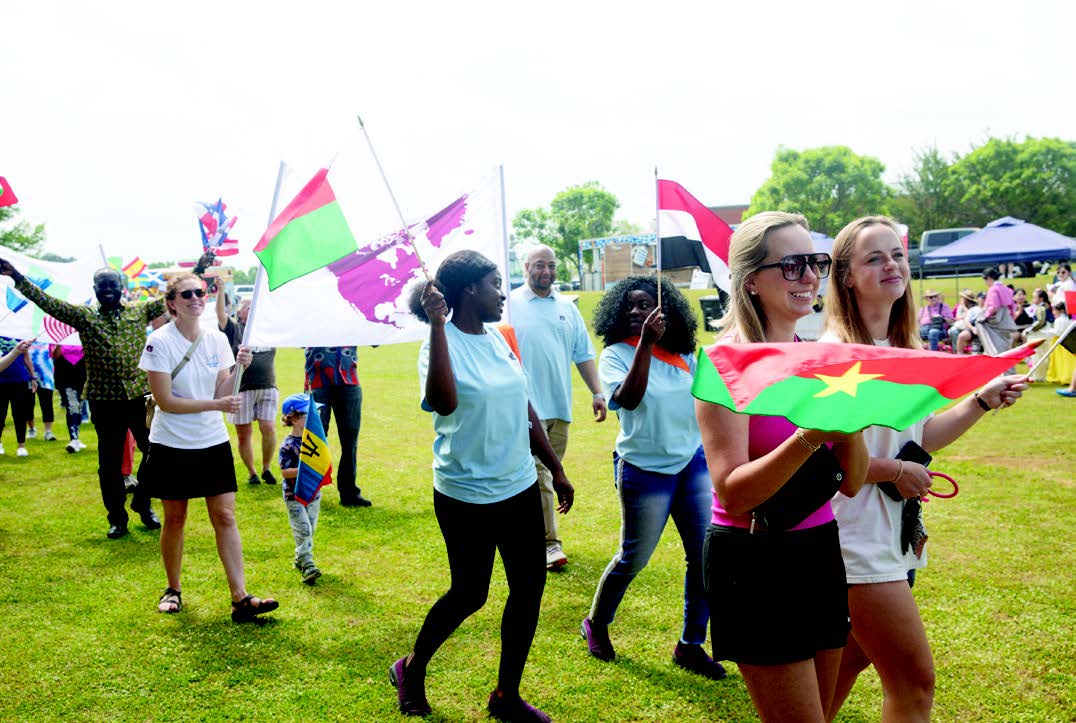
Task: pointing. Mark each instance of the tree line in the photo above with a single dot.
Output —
(1033, 179)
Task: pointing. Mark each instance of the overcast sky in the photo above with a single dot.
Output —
(116, 117)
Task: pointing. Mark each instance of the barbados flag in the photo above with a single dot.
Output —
(315, 467)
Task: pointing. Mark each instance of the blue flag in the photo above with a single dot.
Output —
(315, 466)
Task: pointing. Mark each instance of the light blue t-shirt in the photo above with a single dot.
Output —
(552, 336)
(482, 451)
(661, 434)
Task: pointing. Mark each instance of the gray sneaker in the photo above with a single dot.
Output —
(310, 573)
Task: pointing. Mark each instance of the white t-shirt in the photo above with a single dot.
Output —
(869, 523)
(196, 380)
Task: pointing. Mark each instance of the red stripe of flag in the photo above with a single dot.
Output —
(7, 196)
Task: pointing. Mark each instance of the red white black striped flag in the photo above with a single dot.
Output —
(692, 234)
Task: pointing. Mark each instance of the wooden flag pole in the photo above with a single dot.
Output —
(657, 230)
(259, 278)
(1045, 357)
(403, 222)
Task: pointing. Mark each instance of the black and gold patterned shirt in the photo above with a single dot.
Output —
(112, 341)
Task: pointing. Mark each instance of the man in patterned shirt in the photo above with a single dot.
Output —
(113, 336)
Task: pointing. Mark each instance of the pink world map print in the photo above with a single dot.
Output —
(377, 273)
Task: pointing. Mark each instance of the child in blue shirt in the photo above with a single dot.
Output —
(303, 518)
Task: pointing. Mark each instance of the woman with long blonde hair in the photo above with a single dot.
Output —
(777, 596)
(869, 301)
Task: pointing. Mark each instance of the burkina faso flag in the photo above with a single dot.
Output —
(841, 387)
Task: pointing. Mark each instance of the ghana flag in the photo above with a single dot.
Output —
(315, 467)
(309, 234)
(841, 387)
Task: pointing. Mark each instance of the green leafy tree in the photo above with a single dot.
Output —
(925, 198)
(239, 276)
(19, 235)
(1034, 180)
(625, 228)
(830, 185)
(576, 213)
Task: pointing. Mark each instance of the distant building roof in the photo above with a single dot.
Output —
(731, 215)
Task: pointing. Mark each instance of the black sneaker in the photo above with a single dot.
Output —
(310, 573)
(410, 694)
(253, 479)
(268, 478)
(356, 501)
(598, 642)
(694, 659)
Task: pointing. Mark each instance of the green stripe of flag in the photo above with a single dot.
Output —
(307, 243)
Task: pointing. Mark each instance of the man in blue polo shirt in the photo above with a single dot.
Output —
(552, 336)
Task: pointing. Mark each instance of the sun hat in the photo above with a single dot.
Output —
(967, 294)
(929, 293)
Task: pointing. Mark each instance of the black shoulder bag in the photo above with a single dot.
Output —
(815, 482)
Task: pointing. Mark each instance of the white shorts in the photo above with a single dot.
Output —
(256, 404)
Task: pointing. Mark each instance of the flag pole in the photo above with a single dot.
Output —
(259, 278)
(403, 222)
(504, 237)
(1045, 358)
(657, 230)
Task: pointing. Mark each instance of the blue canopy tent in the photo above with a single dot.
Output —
(1004, 241)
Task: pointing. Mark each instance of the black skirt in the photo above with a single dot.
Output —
(775, 597)
(185, 474)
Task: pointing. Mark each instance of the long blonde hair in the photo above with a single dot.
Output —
(747, 250)
(843, 316)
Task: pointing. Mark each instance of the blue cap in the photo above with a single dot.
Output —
(295, 403)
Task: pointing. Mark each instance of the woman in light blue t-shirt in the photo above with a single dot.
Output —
(659, 467)
(486, 494)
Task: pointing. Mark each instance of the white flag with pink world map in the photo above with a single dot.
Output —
(362, 298)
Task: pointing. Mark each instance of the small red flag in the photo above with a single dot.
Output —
(7, 196)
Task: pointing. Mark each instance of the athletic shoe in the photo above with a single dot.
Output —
(31, 433)
(130, 482)
(49, 436)
(1, 449)
(310, 573)
(555, 558)
(268, 478)
(598, 642)
(515, 710)
(1066, 393)
(253, 479)
(21, 452)
(693, 658)
(410, 694)
(72, 446)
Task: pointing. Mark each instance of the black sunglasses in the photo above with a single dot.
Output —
(188, 293)
(793, 265)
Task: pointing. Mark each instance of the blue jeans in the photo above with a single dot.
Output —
(933, 335)
(647, 500)
(345, 401)
(304, 521)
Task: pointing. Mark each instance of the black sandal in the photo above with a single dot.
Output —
(170, 593)
(245, 611)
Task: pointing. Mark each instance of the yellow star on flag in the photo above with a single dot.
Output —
(847, 383)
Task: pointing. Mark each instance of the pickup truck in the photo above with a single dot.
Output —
(935, 239)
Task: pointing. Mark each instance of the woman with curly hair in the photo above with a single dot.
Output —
(485, 485)
(776, 589)
(870, 302)
(659, 470)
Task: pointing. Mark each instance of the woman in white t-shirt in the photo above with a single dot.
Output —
(190, 454)
(870, 301)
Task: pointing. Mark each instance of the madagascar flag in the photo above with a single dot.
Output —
(315, 467)
(308, 235)
(841, 387)
(7, 196)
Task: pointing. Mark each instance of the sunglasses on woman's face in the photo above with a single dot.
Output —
(190, 293)
(793, 265)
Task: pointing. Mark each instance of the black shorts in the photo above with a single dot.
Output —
(775, 597)
(185, 474)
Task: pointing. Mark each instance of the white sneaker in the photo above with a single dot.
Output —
(81, 445)
(72, 446)
(1, 449)
(21, 452)
(31, 433)
(555, 557)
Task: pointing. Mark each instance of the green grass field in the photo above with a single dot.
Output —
(83, 640)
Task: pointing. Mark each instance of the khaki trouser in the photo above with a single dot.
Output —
(557, 431)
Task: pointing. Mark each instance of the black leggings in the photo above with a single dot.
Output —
(22, 406)
(472, 533)
(44, 397)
